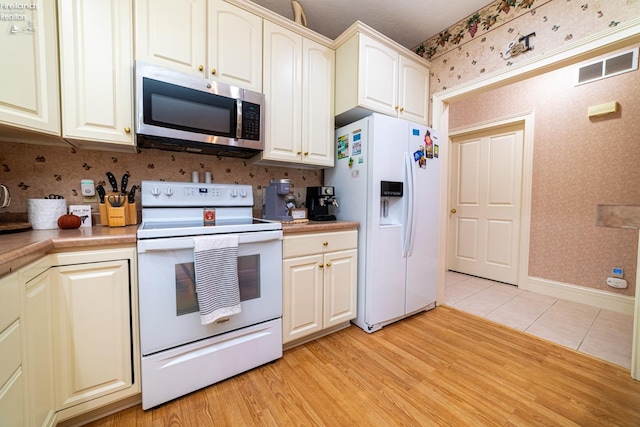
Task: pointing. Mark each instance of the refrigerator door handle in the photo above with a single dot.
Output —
(410, 214)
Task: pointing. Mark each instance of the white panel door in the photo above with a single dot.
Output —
(486, 185)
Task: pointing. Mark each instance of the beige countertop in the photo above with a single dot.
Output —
(319, 226)
(20, 248)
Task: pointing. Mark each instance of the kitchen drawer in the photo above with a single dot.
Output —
(10, 353)
(9, 300)
(317, 243)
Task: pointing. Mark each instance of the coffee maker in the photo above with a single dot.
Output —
(318, 201)
(275, 200)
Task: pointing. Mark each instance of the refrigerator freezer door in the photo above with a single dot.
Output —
(422, 262)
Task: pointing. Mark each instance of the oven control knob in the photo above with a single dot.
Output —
(155, 191)
(233, 193)
(243, 193)
(168, 191)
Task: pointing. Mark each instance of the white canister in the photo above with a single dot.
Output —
(44, 213)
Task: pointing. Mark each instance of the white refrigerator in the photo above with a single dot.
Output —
(387, 177)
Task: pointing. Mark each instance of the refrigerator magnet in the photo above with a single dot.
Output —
(436, 150)
(343, 147)
(428, 142)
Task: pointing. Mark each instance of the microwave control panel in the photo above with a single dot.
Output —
(250, 121)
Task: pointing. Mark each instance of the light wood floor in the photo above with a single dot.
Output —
(442, 367)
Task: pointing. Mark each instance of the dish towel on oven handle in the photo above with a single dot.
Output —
(216, 274)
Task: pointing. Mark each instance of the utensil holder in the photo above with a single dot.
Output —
(117, 216)
(104, 217)
(132, 213)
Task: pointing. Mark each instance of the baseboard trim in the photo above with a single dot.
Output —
(594, 297)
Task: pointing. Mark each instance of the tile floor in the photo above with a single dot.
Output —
(601, 333)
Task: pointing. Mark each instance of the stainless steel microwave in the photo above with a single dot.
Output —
(182, 112)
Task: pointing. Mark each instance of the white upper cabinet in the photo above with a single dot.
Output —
(373, 73)
(413, 90)
(171, 33)
(235, 46)
(96, 46)
(318, 71)
(283, 93)
(29, 98)
(298, 88)
(212, 39)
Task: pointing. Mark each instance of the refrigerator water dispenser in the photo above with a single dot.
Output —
(390, 202)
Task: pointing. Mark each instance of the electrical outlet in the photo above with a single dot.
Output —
(90, 199)
(615, 282)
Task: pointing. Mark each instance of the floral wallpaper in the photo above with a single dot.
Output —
(506, 32)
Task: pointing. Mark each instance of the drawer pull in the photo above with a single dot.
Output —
(325, 243)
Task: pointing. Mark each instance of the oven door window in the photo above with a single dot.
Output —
(176, 107)
(248, 279)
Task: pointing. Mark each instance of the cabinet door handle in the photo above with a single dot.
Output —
(328, 264)
(325, 243)
(200, 67)
(306, 153)
(127, 129)
(396, 107)
(401, 109)
(213, 71)
(299, 152)
(320, 265)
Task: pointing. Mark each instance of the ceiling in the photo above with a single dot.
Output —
(408, 22)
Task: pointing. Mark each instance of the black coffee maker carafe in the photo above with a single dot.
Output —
(318, 201)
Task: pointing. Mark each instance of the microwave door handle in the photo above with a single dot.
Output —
(239, 118)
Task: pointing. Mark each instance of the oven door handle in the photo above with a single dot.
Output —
(175, 243)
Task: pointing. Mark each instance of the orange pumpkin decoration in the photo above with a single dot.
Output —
(69, 221)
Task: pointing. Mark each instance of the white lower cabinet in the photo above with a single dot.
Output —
(81, 347)
(319, 283)
(37, 360)
(12, 409)
(92, 330)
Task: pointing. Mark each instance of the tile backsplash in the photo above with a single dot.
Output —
(34, 171)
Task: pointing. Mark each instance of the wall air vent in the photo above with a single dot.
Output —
(607, 67)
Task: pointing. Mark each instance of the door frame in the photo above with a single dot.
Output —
(526, 122)
(617, 37)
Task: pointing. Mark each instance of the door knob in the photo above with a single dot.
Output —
(453, 210)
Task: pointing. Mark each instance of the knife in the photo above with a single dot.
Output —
(101, 193)
(132, 194)
(123, 185)
(113, 182)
